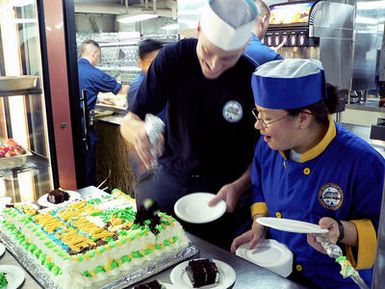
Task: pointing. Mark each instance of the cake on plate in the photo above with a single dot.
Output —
(202, 272)
(89, 243)
(150, 285)
(57, 196)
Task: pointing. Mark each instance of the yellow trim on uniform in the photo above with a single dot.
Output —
(259, 208)
(322, 145)
(367, 243)
(283, 155)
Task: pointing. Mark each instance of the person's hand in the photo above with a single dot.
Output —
(332, 235)
(106, 98)
(279, 46)
(229, 194)
(253, 236)
(143, 146)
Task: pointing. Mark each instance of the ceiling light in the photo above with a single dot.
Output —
(135, 18)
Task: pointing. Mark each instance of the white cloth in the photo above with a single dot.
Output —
(289, 68)
(228, 23)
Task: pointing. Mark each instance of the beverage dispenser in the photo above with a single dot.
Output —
(320, 30)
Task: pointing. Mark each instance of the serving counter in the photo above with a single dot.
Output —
(249, 276)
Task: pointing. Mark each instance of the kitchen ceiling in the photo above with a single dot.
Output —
(130, 7)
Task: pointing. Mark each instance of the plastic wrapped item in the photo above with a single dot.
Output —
(154, 129)
(347, 270)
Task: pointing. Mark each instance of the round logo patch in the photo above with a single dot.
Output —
(232, 111)
(331, 196)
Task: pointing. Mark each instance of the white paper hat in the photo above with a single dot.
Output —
(228, 23)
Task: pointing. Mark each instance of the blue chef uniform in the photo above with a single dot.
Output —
(93, 80)
(260, 52)
(327, 181)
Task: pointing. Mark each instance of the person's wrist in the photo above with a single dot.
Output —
(341, 230)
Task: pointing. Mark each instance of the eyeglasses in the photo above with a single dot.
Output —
(264, 123)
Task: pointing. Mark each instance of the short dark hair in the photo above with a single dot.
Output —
(321, 109)
(148, 46)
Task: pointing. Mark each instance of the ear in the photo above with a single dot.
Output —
(264, 22)
(199, 27)
(304, 119)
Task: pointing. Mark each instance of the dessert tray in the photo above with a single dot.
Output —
(15, 161)
(37, 271)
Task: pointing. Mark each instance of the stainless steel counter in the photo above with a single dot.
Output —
(249, 275)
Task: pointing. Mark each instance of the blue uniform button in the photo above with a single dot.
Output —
(306, 171)
(298, 267)
(278, 215)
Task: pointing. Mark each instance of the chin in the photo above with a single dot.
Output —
(209, 75)
(274, 147)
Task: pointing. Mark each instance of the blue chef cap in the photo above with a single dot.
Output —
(289, 83)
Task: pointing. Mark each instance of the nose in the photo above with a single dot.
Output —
(214, 64)
(258, 124)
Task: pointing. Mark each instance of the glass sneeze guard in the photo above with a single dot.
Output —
(25, 167)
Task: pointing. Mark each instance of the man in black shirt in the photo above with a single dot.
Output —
(208, 145)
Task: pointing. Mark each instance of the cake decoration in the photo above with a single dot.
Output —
(3, 280)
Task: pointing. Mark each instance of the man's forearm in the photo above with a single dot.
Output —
(124, 89)
(243, 182)
(129, 126)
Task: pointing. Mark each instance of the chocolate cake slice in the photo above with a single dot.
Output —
(202, 272)
(149, 285)
(58, 196)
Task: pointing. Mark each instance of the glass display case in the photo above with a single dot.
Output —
(25, 154)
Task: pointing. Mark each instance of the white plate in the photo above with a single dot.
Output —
(170, 286)
(2, 250)
(43, 200)
(194, 208)
(26, 203)
(15, 276)
(289, 225)
(269, 254)
(180, 279)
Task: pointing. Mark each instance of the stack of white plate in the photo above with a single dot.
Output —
(269, 254)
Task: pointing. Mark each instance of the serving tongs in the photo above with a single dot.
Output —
(347, 270)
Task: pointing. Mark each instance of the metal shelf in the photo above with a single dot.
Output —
(4, 93)
(367, 107)
(34, 161)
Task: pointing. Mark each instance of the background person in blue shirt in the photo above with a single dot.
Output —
(256, 50)
(307, 167)
(148, 49)
(208, 145)
(93, 81)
